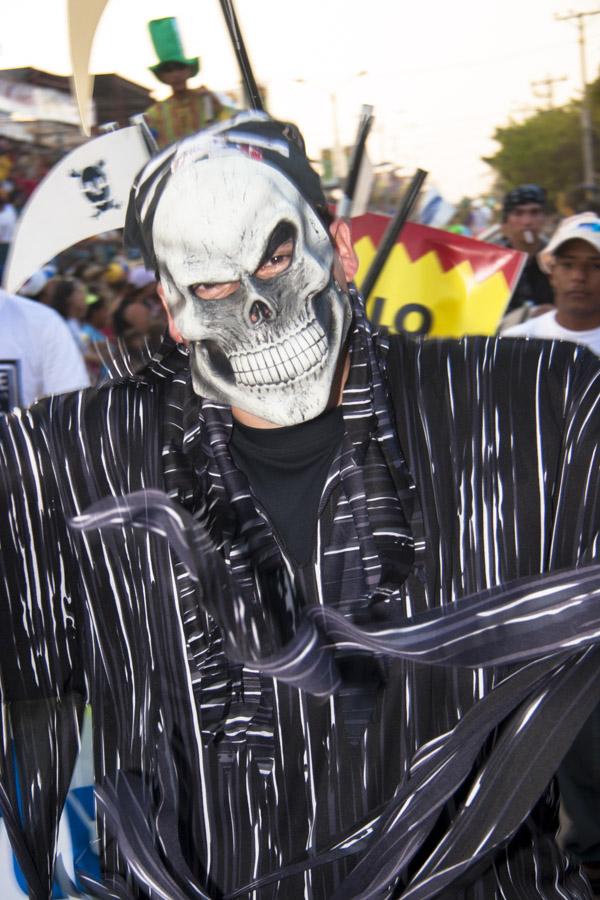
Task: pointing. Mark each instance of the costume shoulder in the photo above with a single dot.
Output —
(81, 421)
(501, 436)
(520, 368)
(66, 451)
(59, 456)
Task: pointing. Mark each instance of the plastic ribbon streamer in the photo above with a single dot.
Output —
(520, 622)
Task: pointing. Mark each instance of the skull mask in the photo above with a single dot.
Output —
(271, 347)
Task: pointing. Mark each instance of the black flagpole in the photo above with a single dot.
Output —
(392, 231)
(364, 127)
(250, 87)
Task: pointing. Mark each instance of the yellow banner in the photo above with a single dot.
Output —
(435, 282)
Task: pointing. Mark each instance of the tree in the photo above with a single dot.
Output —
(546, 149)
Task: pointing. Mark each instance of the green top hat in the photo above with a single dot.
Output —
(168, 46)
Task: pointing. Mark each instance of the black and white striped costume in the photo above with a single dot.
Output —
(408, 734)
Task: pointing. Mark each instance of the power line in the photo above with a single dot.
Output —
(544, 88)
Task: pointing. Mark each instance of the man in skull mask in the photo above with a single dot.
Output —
(292, 702)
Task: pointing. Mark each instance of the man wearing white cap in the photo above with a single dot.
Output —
(572, 260)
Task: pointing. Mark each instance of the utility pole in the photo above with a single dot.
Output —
(338, 157)
(544, 89)
(589, 175)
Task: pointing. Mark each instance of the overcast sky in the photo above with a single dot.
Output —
(441, 75)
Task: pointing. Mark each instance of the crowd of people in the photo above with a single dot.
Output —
(106, 312)
(111, 305)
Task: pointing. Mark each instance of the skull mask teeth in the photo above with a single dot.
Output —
(301, 352)
(271, 346)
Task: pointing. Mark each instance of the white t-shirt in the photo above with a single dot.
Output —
(546, 326)
(38, 355)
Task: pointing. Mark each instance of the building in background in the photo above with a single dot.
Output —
(36, 107)
(39, 121)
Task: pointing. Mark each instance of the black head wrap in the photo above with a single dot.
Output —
(255, 134)
(525, 193)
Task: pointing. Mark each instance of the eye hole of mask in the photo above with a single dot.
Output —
(271, 264)
(281, 234)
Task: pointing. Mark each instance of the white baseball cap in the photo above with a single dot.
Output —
(38, 281)
(583, 227)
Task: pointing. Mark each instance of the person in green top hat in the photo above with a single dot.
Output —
(187, 110)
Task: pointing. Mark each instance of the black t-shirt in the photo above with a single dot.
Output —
(533, 286)
(287, 468)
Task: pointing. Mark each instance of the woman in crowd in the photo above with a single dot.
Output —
(69, 299)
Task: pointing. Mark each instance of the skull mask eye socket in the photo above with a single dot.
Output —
(276, 259)
(279, 252)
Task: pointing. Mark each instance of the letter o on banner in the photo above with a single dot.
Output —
(414, 319)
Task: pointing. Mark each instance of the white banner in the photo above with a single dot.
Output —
(85, 194)
(83, 20)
